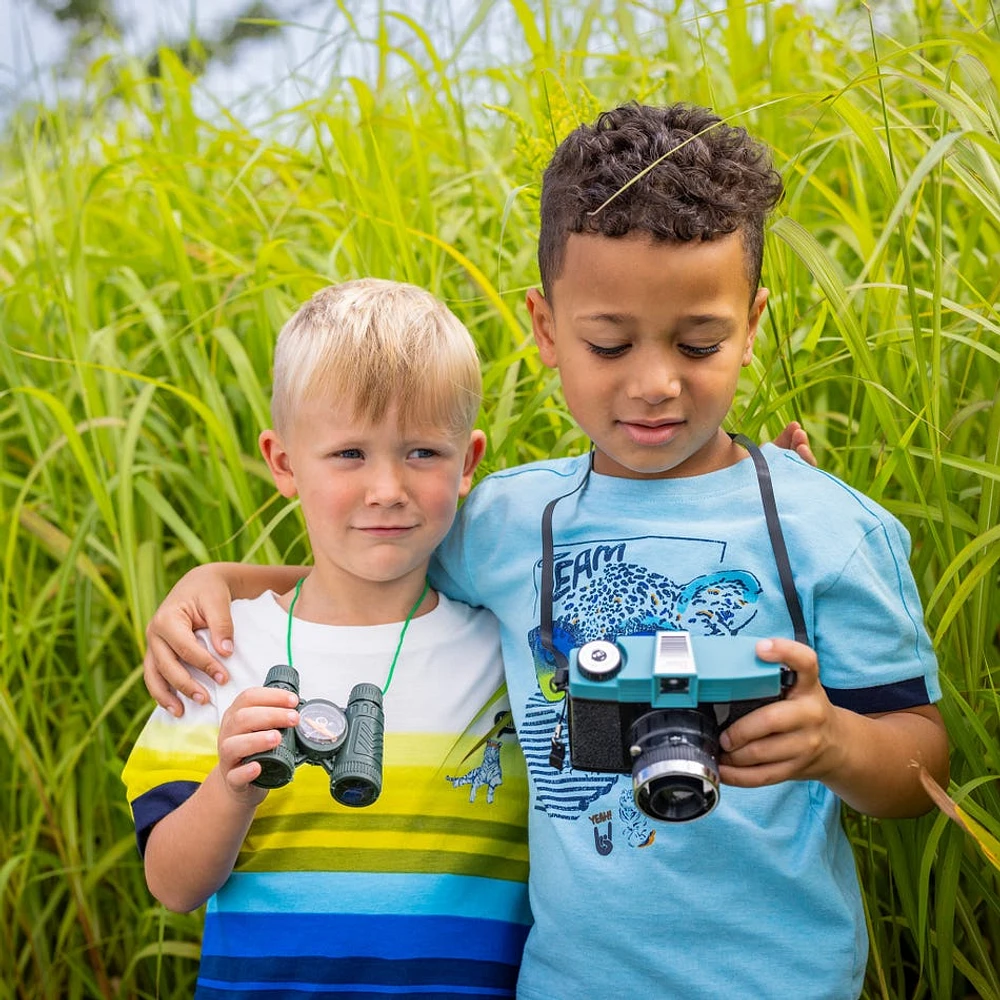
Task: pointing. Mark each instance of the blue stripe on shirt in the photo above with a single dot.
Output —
(295, 936)
(418, 894)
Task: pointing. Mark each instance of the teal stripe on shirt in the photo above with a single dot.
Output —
(426, 894)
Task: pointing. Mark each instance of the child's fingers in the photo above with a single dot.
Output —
(759, 776)
(164, 674)
(240, 777)
(797, 657)
(219, 620)
(768, 720)
(252, 718)
(794, 438)
(784, 439)
(234, 749)
(239, 780)
(160, 690)
(775, 748)
(804, 708)
(800, 445)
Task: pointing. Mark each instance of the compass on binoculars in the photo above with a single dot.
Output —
(322, 726)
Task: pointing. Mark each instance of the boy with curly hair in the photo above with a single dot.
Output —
(652, 223)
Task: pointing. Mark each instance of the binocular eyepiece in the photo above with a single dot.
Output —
(345, 742)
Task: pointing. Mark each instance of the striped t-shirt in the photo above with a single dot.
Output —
(421, 894)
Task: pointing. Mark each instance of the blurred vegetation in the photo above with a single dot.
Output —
(97, 24)
(152, 243)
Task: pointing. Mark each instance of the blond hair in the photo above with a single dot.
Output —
(378, 343)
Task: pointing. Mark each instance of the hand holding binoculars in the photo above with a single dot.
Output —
(345, 742)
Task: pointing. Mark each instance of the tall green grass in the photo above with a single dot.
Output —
(150, 249)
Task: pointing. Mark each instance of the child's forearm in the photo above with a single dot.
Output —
(250, 580)
(878, 769)
(191, 852)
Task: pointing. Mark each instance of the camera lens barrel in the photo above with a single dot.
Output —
(277, 766)
(356, 778)
(675, 771)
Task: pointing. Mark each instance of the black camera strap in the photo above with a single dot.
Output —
(777, 538)
(560, 679)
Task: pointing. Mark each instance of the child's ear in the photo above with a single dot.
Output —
(756, 311)
(473, 456)
(542, 326)
(278, 461)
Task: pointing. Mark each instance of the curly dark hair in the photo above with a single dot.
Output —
(678, 173)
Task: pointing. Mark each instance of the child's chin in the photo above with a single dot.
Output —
(632, 466)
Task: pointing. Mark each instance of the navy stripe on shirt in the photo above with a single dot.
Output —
(150, 807)
(892, 697)
(304, 972)
(267, 991)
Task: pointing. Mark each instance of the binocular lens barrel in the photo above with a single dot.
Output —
(277, 766)
(356, 778)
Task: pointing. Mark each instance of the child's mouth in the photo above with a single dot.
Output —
(387, 531)
(651, 434)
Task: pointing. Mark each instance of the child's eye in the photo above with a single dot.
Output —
(693, 351)
(350, 454)
(607, 352)
(423, 453)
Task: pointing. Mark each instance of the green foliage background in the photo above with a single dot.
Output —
(151, 245)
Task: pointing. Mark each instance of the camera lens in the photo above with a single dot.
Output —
(675, 772)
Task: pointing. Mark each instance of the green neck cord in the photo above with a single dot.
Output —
(402, 631)
(291, 608)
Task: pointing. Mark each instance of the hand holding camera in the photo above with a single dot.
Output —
(794, 739)
(658, 705)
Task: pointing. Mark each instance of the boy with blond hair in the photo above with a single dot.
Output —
(376, 391)
(650, 249)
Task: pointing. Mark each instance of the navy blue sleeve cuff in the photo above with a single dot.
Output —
(892, 697)
(149, 808)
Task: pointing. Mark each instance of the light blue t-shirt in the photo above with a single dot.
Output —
(760, 898)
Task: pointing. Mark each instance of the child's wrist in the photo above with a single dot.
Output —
(240, 802)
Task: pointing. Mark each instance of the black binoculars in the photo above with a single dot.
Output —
(346, 743)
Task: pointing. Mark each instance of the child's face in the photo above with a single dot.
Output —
(649, 339)
(377, 498)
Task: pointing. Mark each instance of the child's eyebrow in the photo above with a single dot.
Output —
(617, 319)
(708, 319)
(687, 324)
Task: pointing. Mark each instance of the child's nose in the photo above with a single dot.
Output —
(386, 487)
(654, 380)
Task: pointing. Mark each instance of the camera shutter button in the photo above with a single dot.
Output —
(599, 660)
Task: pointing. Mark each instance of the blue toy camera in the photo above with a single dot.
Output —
(654, 706)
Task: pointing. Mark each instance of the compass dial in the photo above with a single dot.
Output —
(322, 725)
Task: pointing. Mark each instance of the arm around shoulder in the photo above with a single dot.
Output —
(201, 599)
